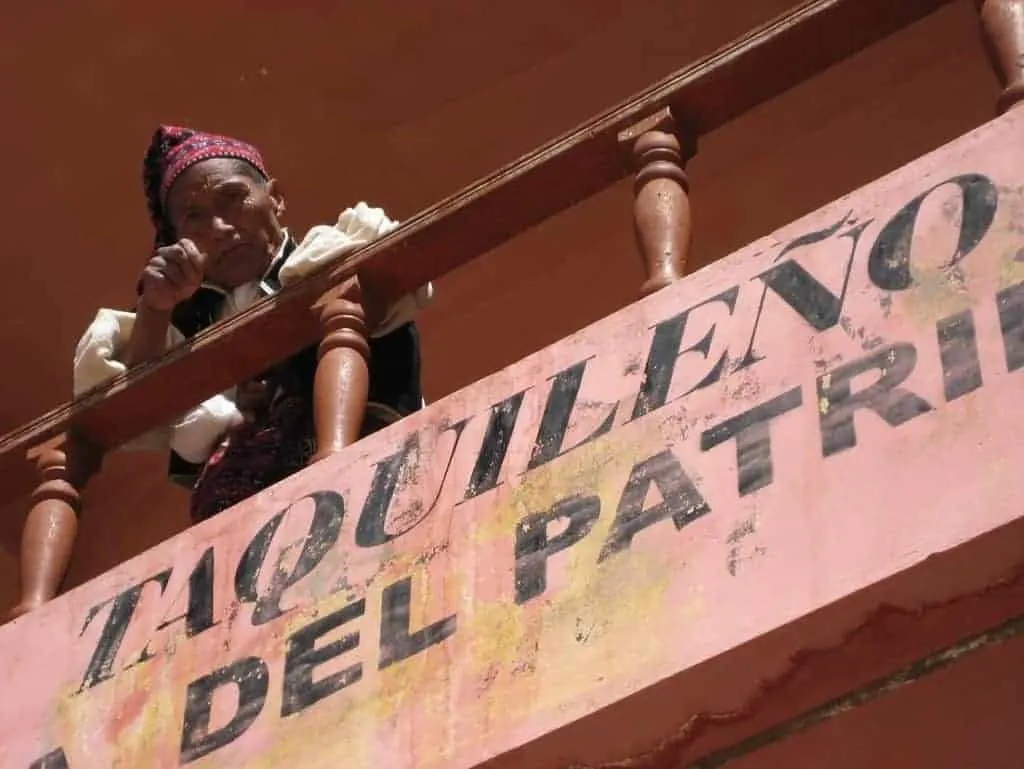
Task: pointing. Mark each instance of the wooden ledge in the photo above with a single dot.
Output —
(703, 96)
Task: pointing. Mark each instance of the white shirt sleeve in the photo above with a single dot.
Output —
(356, 227)
(97, 360)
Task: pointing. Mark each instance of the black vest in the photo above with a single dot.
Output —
(394, 359)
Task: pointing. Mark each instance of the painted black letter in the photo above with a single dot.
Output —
(665, 352)
(323, 533)
(818, 306)
(889, 262)
(396, 644)
(55, 759)
(371, 531)
(199, 614)
(753, 440)
(1010, 303)
(680, 500)
(494, 446)
(302, 656)
(251, 677)
(838, 404)
(565, 388)
(958, 351)
(533, 548)
(101, 666)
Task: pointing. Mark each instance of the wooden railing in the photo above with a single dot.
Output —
(652, 134)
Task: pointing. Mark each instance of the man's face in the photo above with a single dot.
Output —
(232, 216)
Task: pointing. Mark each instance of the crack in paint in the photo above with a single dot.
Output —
(858, 697)
(699, 723)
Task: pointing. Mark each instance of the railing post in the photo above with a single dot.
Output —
(1002, 24)
(342, 382)
(48, 538)
(661, 204)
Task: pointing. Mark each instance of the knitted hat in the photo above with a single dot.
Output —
(171, 152)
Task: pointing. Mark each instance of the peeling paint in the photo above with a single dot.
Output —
(852, 488)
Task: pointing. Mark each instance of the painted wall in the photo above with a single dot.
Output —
(846, 127)
(793, 437)
(863, 118)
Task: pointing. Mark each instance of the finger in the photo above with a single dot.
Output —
(170, 252)
(185, 270)
(156, 284)
(163, 259)
(156, 263)
(153, 270)
(175, 273)
(192, 273)
(196, 257)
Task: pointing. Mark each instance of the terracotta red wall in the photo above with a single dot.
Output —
(399, 117)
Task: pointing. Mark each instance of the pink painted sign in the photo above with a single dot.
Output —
(809, 416)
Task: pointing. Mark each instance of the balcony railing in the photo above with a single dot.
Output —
(651, 135)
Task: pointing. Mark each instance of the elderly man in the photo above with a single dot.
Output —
(221, 245)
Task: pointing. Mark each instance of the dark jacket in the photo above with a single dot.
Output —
(394, 364)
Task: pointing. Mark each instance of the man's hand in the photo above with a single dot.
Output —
(253, 397)
(173, 275)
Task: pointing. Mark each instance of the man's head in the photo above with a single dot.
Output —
(215, 191)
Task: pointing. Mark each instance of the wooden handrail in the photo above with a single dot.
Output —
(703, 96)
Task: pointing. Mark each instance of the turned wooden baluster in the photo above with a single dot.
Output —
(342, 382)
(661, 203)
(1002, 22)
(48, 537)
